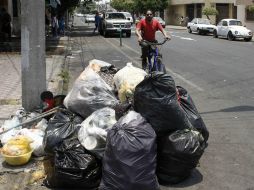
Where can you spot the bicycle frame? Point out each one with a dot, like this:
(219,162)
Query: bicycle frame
(153,52)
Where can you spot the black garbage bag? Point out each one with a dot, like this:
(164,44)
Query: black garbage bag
(155,98)
(129,162)
(178,154)
(75,167)
(191,111)
(61,126)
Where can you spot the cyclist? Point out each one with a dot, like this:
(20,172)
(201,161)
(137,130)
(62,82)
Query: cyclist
(146,30)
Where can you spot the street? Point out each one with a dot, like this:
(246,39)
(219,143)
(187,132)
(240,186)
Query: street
(218,74)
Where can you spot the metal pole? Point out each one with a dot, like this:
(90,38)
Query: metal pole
(120,35)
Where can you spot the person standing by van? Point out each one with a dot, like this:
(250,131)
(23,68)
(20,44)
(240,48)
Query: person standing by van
(97,21)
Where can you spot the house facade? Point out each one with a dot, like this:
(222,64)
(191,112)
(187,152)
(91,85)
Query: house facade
(193,8)
(244,14)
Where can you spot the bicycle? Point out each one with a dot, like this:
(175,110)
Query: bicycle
(154,53)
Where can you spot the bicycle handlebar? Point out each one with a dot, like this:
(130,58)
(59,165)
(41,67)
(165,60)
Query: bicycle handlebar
(156,43)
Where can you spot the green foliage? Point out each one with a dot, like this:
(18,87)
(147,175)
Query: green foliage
(251,8)
(209,11)
(139,5)
(123,5)
(154,5)
(69,5)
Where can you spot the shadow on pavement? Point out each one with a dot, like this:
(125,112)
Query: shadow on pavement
(195,178)
(232,109)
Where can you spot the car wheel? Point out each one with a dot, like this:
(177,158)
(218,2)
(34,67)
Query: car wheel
(128,34)
(199,31)
(230,36)
(101,32)
(247,39)
(189,30)
(105,34)
(215,35)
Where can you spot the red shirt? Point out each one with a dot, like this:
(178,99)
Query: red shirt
(149,29)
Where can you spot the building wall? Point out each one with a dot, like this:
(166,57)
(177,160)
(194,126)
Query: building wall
(241,15)
(177,8)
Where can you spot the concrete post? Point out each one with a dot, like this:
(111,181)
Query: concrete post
(33,65)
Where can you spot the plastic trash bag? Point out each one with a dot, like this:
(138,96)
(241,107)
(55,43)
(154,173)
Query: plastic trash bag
(63,125)
(126,79)
(74,167)
(96,64)
(10,123)
(89,93)
(178,154)
(155,98)
(36,135)
(191,111)
(129,161)
(93,132)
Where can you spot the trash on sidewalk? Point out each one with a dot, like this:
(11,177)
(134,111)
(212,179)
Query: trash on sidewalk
(126,79)
(74,167)
(93,132)
(96,123)
(156,99)
(178,154)
(129,162)
(17,151)
(89,93)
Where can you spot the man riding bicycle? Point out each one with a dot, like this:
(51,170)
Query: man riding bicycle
(146,30)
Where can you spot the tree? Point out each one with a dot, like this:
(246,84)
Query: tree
(251,8)
(154,5)
(69,5)
(123,5)
(209,11)
(139,5)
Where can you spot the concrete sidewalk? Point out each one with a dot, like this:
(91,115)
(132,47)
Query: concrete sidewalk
(10,77)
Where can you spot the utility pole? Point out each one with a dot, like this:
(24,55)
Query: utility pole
(33,64)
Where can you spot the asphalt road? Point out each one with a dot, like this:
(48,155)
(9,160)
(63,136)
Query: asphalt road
(218,74)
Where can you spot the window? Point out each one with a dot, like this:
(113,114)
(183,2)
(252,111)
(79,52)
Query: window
(224,23)
(235,23)
(249,15)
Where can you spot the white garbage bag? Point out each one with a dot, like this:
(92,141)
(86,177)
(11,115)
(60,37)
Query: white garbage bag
(93,132)
(96,64)
(126,79)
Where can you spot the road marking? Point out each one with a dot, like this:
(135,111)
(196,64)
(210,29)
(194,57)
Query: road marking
(183,38)
(138,64)
(118,49)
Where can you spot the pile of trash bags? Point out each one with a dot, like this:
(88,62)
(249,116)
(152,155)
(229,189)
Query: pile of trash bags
(121,129)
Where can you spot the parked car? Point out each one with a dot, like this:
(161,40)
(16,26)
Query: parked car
(90,18)
(161,21)
(111,23)
(201,26)
(138,19)
(232,29)
(128,16)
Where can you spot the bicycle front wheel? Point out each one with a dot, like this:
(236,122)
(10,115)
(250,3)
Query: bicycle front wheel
(160,66)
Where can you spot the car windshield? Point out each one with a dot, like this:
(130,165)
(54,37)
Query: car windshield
(235,23)
(204,21)
(116,16)
(127,14)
